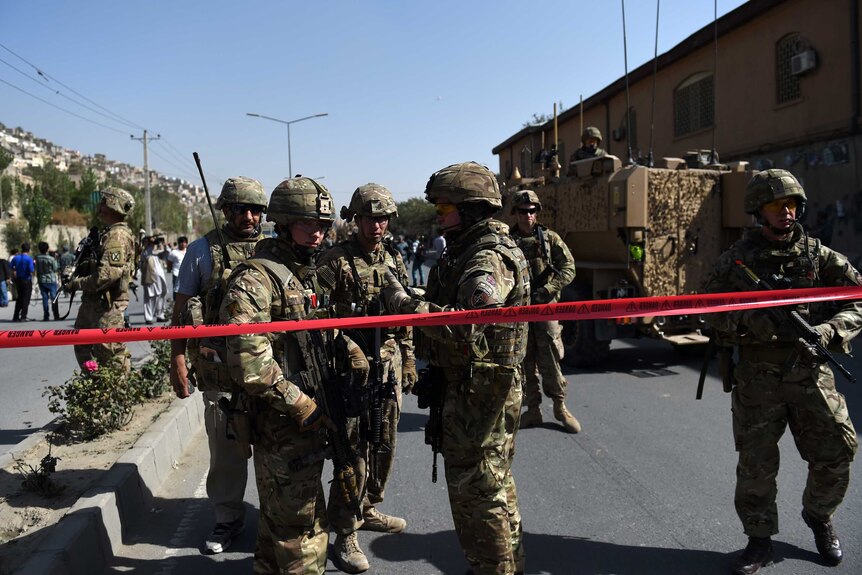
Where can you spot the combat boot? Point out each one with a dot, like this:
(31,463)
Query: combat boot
(531,417)
(758,553)
(347,555)
(570,423)
(825,538)
(382,523)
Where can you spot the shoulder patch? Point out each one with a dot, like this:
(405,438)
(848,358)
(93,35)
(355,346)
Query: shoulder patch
(484,293)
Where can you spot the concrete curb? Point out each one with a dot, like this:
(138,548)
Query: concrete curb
(86,539)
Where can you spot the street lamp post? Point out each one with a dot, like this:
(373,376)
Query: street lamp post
(287,123)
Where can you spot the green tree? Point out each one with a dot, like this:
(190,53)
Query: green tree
(82,197)
(37,211)
(56,187)
(7,193)
(14,234)
(6,158)
(415,217)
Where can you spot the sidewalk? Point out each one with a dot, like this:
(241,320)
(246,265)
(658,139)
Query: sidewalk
(86,538)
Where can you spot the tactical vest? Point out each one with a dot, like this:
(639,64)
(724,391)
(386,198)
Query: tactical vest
(367,284)
(504,343)
(294,296)
(533,252)
(203,309)
(794,266)
(118,291)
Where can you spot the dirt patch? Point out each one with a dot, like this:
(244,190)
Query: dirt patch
(24,515)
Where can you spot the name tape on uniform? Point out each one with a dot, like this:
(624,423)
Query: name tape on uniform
(563,311)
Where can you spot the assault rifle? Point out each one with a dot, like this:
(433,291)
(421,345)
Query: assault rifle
(381,389)
(807,334)
(85,258)
(326,385)
(430,389)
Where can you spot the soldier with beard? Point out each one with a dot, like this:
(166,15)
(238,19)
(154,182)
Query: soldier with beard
(201,286)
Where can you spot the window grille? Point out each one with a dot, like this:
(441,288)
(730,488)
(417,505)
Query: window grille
(694,104)
(786,84)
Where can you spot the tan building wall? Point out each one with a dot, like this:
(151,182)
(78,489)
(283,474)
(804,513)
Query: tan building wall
(816,135)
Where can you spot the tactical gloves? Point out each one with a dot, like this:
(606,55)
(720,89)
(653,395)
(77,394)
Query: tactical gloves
(408,373)
(540,296)
(308,415)
(826,331)
(395,297)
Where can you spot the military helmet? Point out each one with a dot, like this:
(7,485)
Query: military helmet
(300,199)
(370,200)
(241,190)
(523,197)
(591,132)
(770,185)
(462,183)
(118,200)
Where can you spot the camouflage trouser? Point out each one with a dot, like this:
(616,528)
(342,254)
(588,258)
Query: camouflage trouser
(480,419)
(292,533)
(767,398)
(373,468)
(544,352)
(228,470)
(92,314)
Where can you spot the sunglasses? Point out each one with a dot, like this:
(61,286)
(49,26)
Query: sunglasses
(527,210)
(444,209)
(310,226)
(240,209)
(779,205)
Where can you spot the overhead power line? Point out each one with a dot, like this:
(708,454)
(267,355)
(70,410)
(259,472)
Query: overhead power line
(48,77)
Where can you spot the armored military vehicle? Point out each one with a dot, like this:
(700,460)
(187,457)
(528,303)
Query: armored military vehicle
(640,232)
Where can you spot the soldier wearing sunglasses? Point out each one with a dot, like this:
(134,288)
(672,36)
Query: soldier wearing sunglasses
(551,269)
(242,201)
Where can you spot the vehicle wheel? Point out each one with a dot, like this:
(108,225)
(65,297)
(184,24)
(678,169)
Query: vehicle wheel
(582,347)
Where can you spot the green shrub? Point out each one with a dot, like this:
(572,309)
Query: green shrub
(100,398)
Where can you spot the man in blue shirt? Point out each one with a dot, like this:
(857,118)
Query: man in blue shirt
(22,270)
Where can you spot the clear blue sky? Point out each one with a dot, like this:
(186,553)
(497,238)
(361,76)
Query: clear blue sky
(409,86)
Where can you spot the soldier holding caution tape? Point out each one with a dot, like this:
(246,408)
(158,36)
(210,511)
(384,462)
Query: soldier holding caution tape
(475,369)
(782,379)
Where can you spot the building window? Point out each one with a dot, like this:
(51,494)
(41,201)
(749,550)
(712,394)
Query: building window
(786,83)
(693,104)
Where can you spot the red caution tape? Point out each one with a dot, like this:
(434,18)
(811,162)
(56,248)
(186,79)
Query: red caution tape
(565,311)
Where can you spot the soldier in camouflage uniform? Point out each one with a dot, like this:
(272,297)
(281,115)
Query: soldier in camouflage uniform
(591,140)
(480,364)
(354,272)
(201,286)
(551,269)
(279,284)
(105,285)
(780,382)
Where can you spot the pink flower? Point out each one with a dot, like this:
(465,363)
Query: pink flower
(91,366)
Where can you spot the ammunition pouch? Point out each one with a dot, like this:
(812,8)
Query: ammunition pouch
(239,421)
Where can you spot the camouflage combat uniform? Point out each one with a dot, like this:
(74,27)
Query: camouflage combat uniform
(354,279)
(105,294)
(770,393)
(482,366)
(292,530)
(545,345)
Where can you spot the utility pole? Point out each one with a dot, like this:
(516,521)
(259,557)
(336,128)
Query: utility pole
(149,215)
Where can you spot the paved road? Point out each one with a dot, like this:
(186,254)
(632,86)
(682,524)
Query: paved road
(646,488)
(28,371)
